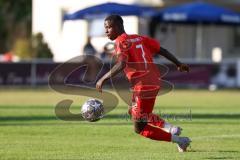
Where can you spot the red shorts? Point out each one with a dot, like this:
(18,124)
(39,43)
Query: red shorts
(144,97)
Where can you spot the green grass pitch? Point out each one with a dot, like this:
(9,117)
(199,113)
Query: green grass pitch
(29,128)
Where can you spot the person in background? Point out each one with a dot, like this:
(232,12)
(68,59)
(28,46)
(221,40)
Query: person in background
(88,49)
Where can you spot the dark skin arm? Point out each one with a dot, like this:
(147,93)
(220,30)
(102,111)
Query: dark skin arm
(117,68)
(180,66)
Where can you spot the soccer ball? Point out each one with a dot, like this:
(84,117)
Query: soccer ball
(92,110)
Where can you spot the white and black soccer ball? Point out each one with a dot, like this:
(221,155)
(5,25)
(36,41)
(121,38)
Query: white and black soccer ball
(92,110)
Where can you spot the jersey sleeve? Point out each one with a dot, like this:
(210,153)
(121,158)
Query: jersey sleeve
(122,51)
(152,44)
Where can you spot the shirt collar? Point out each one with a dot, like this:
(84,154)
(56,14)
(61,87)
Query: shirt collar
(123,35)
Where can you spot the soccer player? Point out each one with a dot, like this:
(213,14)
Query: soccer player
(134,54)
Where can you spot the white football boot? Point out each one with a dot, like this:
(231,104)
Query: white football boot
(183,143)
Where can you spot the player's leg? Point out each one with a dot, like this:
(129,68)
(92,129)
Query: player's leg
(141,115)
(149,131)
(174,130)
(133,105)
(155,120)
(142,126)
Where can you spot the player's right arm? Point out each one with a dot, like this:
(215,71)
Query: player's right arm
(118,67)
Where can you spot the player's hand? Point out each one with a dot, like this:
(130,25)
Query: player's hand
(183,67)
(99,85)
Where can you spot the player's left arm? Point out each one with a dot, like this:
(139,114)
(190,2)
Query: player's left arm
(118,67)
(180,66)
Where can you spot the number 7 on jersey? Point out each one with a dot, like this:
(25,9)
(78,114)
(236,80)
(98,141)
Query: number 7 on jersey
(143,54)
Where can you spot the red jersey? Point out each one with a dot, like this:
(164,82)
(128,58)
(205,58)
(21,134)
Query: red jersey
(138,51)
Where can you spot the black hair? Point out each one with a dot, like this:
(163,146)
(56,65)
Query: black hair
(116,19)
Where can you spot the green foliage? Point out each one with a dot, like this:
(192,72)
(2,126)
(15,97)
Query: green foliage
(15,22)
(40,48)
(22,49)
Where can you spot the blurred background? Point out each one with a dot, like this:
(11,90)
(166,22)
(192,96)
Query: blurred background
(37,35)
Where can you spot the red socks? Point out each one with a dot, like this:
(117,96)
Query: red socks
(155,133)
(156,120)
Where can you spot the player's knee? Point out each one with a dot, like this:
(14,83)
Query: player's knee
(130,110)
(139,126)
